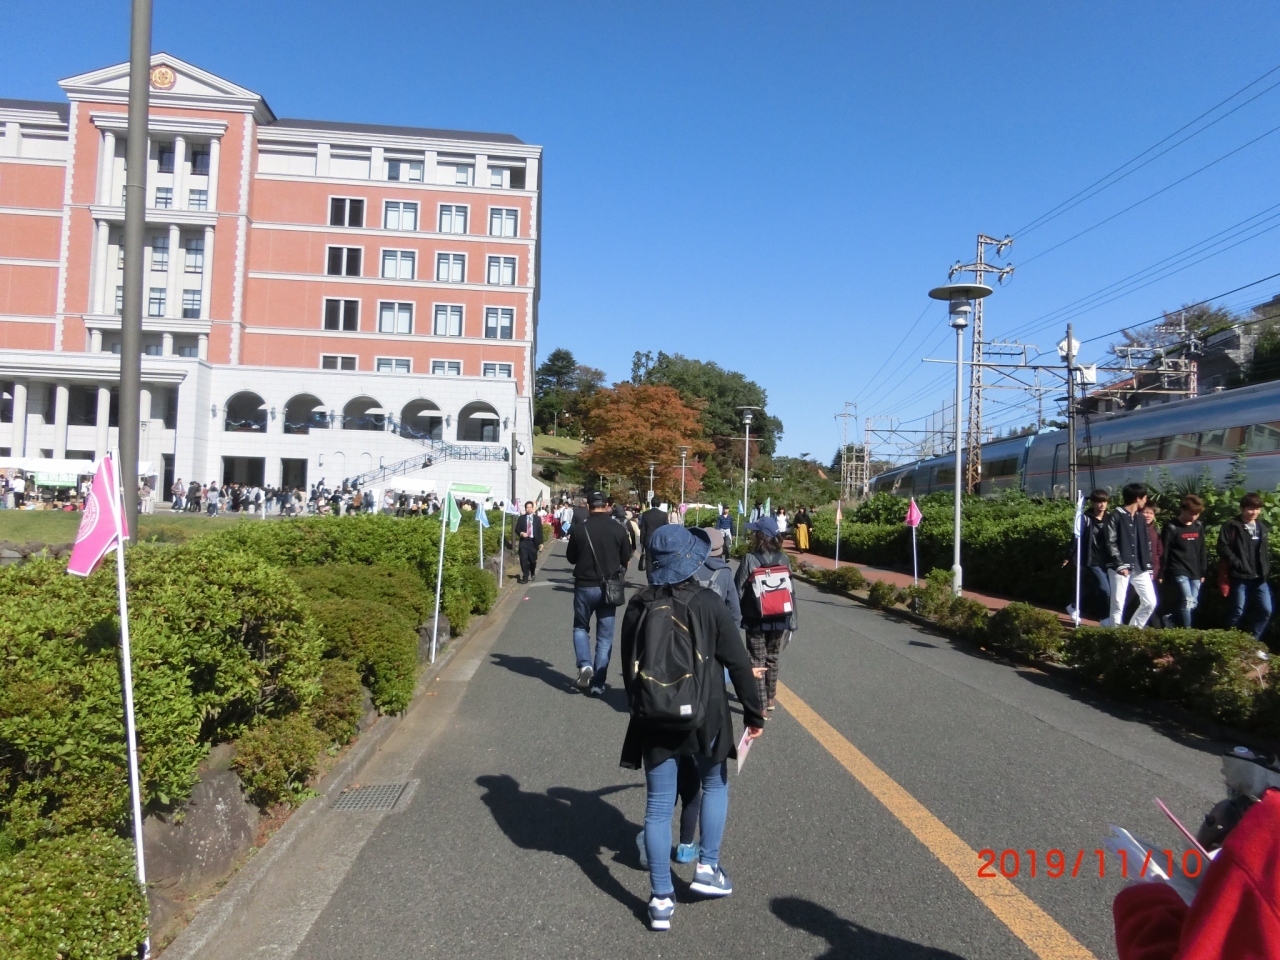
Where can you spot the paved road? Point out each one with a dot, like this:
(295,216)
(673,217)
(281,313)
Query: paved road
(518,841)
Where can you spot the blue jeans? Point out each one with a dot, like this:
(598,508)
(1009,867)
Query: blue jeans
(1241,593)
(660,802)
(1189,587)
(586,601)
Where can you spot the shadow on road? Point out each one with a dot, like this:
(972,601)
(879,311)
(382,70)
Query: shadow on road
(569,823)
(537,668)
(845,938)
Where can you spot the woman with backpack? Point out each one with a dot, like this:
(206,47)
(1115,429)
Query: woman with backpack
(674,634)
(768,605)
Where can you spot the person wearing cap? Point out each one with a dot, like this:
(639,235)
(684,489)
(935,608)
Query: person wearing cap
(599,550)
(765,637)
(675,556)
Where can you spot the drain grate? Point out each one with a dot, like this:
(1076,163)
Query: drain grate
(378,796)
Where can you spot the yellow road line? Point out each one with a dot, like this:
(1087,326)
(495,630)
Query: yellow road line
(1030,924)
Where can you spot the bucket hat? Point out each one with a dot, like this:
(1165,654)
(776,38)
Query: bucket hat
(766,525)
(675,554)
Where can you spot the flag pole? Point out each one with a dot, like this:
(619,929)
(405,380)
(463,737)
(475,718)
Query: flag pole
(1079,544)
(126,656)
(502,550)
(839,517)
(480,527)
(444,519)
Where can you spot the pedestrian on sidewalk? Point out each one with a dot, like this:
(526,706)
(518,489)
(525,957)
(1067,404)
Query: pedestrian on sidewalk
(802,530)
(766,635)
(529,538)
(1243,544)
(676,555)
(1186,557)
(1129,562)
(650,520)
(1095,584)
(724,523)
(599,550)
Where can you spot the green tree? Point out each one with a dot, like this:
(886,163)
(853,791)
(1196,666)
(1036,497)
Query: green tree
(561,389)
(793,482)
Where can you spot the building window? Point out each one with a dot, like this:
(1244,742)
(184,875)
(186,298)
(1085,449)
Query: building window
(119,300)
(344,261)
(195,254)
(502,271)
(200,162)
(515,180)
(160,252)
(341,314)
(156,302)
(496,370)
(446,368)
(391,365)
(164,198)
(407,171)
(503,222)
(497,177)
(462,174)
(190,304)
(198,199)
(152,350)
(451,267)
(120,256)
(448,321)
(499,323)
(346,212)
(400,216)
(453,218)
(337,363)
(395,318)
(188,350)
(164,158)
(398,264)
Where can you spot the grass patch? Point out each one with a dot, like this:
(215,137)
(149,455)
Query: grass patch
(56,526)
(556,446)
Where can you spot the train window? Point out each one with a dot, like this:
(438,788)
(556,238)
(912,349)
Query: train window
(1112,454)
(1223,442)
(1001,468)
(944,475)
(1060,465)
(1145,451)
(1185,446)
(1264,437)
(905,484)
(1085,456)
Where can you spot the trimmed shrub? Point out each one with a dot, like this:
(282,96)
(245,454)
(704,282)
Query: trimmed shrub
(967,617)
(276,758)
(74,896)
(1025,629)
(842,579)
(483,587)
(883,595)
(337,711)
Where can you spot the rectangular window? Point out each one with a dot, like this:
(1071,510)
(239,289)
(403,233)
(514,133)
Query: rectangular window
(448,321)
(451,267)
(344,261)
(503,221)
(407,171)
(164,198)
(120,256)
(1185,446)
(446,368)
(152,349)
(329,362)
(497,370)
(341,314)
(164,158)
(160,252)
(395,318)
(391,365)
(119,300)
(200,162)
(502,271)
(190,304)
(499,323)
(1265,437)
(399,264)
(517,178)
(462,174)
(195,254)
(400,216)
(198,199)
(346,212)
(156,302)
(1146,451)
(1223,442)
(188,350)
(497,177)
(453,218)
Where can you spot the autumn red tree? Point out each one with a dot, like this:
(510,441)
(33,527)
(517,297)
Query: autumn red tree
(630,425)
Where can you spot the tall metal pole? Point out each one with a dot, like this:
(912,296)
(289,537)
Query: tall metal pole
(957,572)
(746,465)
(684,452)
(135,202)
(1072,465)
(651,466)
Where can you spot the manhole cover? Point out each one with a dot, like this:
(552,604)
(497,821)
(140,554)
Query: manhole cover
(378,796)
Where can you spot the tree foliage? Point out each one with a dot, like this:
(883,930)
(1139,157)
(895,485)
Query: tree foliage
(561,389)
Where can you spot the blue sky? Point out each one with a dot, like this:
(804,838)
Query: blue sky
(774,186)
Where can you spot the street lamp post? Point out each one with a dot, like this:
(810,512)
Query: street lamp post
(684,453)
(958,296)
(651,466)
(747,416)
(1067,350)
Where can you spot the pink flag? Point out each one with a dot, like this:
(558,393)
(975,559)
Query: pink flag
(914,516)
(102,523)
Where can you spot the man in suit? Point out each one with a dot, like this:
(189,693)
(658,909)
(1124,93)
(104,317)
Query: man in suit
(529,538)
(651,520)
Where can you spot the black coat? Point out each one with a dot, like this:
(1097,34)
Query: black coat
(1247,559)
(611,543)
(650,521)
(531,522)
(1128,543)
(715,738)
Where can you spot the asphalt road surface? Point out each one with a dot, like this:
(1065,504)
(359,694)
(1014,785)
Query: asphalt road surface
(849,827)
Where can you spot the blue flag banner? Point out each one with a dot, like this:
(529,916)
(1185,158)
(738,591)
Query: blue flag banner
(483,516)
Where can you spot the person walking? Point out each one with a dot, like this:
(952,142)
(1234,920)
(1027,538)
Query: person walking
(1129,561)
(650,520)
(529,538)
(1185,557)
(766,635)
(675,555)
(802,529)
(1243,545)
(599,550)
(724,523)
(1095,585)
(214,499)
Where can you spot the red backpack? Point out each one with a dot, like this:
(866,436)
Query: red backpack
(771,592)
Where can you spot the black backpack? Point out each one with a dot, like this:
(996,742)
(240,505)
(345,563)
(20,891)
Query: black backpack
(671,666)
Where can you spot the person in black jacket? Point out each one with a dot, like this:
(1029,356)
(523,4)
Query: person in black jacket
(1129,562)
(529,538)
(1185,556)
(599,550)
(675,555)
(1095,585)
(650,520)
(1243,544)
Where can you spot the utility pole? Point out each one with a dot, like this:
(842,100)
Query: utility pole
(651,466)
(979,268)
(684,453)
(849,467)
(1068,350)
(748,414)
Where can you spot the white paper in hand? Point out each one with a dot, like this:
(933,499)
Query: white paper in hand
(744,747)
